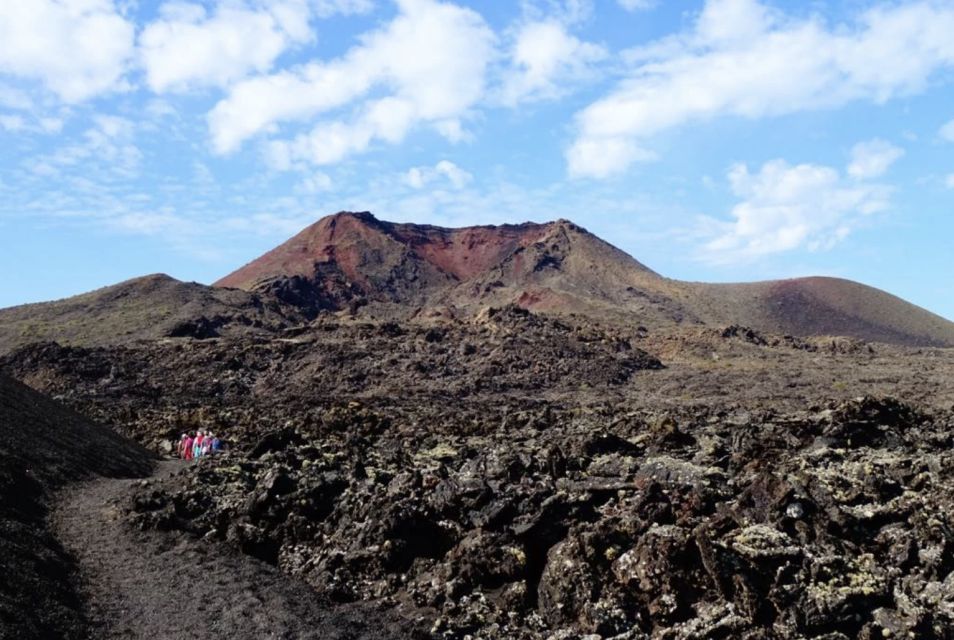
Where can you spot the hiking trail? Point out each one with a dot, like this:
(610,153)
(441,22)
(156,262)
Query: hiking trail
(170,586)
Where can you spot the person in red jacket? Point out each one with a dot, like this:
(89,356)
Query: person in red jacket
(187,448)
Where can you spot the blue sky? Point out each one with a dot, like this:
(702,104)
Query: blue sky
(724,140)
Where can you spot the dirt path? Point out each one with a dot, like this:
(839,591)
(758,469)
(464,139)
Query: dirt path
(165,586)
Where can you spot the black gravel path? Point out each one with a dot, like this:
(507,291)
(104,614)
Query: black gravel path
(166,585)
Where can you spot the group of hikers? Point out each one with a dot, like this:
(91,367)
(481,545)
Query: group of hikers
(201,444)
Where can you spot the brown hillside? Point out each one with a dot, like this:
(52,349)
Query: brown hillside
(149,307)
(826,306)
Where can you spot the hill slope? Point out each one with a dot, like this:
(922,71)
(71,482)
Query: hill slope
(44,446)
(825,306)
(353,260)
(149,307)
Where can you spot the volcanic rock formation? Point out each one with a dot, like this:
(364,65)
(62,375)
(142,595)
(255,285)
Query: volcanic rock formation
(356,259)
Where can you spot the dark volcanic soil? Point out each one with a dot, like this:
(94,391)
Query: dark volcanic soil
(148,585)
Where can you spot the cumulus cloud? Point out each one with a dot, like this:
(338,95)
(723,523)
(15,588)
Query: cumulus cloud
(545,57)
(420,177)
(872,159)
(743,59)
(189,46)
(316,182)
(436,89)
(784,207)
(76,48)
(949,181)
(947,131)
(604,158)
(567,12)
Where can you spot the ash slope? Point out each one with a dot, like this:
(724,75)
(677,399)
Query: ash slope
(43,447)
(355,261)
(146,308)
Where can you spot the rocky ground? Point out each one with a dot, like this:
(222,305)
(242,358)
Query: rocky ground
(520,476)
(830,523)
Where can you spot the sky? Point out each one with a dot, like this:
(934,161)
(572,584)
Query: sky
(724,140)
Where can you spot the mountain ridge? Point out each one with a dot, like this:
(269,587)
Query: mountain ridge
(355,264)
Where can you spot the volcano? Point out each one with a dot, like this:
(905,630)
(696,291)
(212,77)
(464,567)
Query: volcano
(353,261)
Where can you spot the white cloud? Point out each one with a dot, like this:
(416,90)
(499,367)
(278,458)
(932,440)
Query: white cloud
(386,119)
(784,207)
(149,223)
(565,12)
(872,159)
(947,131)
(437,89)
(109,145)
(603,158)
(949,181)
(545,58)
(420,177)
(50,125)
(328,8)
(188,47)
(75,48)
(733,22)
(317,182)
(457,176)
(17,123)
(637,5)
(742,59)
